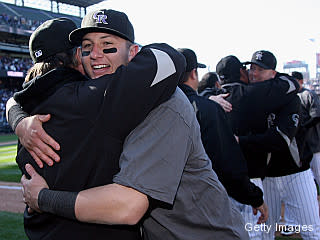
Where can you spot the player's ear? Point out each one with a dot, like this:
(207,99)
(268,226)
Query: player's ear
(133,50)
(194,74)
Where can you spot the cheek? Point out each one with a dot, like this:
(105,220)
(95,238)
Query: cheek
(250,75)
(85,62)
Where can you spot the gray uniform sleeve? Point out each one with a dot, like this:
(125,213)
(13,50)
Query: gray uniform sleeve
(155,154)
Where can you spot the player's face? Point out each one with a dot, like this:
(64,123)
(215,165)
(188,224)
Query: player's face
(103,53)
(259,74)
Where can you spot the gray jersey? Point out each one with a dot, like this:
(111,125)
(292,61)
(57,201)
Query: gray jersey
(164,159)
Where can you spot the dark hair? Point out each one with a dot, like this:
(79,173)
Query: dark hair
(184,77)
(297,75)
(208,81)
(62,59)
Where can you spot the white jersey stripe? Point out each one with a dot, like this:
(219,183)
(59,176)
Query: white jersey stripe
(293,147)
(291,84)
(165,66)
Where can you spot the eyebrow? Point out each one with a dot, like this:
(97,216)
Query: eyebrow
(102,37)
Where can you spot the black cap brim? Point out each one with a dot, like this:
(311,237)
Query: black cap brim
(76,35)
(200,65)
(257,63)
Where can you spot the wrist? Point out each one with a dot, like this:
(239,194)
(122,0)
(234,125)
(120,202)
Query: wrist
(60,203)
(15,116)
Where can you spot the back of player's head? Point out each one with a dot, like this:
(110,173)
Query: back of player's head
(208,81)
(297,75)
(191,59)
(228,69)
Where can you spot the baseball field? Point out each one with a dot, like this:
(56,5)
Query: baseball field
(11,220)
(11,205)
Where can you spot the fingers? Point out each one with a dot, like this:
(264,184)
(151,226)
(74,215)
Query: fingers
(36,159)
(262,219)
(255,211)
(223,103)
(224,95)
(43,118)
(30,210)
(30,170)
(263,209)
(22,180)
(43,135)
(227,107)
(40,156)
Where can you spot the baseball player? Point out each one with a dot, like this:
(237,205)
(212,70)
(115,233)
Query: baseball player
(288,178)
(306,137)
(152,177)
(209,84)
(219,142)
(311,104)
(92,118)
(251,106)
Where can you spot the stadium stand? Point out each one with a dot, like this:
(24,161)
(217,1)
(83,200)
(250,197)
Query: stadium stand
(16,25)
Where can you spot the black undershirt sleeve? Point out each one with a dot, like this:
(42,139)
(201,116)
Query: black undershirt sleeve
(60,203)
(15,115)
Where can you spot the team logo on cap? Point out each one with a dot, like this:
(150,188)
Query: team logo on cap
(38,53)
(259,56)
(100,17)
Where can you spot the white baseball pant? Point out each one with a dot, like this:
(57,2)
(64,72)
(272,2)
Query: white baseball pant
(247,214)
(315,167)
(298,192)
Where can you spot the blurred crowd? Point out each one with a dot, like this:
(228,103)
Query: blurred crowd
(5,94)
(15,64)
(19,22)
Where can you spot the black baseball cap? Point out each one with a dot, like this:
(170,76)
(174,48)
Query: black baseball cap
(264,59)
(104,20)
(228,69)
(191,59)
(51,37)
(297,75)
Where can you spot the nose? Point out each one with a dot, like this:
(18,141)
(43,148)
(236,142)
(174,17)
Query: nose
(96,52)
(251,75)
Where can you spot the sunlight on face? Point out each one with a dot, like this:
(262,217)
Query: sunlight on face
(97,63)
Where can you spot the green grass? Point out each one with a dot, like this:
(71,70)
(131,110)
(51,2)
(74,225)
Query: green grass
(11,226)
(8,138)
(9,170)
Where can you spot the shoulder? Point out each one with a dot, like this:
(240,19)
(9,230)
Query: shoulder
(178,107)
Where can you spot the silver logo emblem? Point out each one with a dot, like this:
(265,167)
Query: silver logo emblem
(259,56)
(100,17)
(38,53)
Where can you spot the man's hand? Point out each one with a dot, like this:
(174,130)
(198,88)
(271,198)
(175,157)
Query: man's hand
(263,209)
(38,143)
(223,103)
(32,187)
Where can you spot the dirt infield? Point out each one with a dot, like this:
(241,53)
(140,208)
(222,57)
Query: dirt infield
(11,197)
(11,200)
